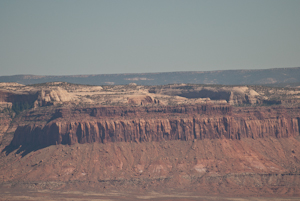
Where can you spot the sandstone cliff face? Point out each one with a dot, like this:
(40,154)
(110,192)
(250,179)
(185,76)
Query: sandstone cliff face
(34,97)
(140,130)
(203,148)
(49,97)
(142,124)
(185,141)
(10,98)
(232,95)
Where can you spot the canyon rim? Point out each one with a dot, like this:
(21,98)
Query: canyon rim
(202,139)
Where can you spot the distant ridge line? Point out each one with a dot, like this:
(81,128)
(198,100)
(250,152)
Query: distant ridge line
(223,77)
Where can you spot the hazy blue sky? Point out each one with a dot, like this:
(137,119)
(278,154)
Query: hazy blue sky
(69,37)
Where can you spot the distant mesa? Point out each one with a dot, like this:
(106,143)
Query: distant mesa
(275,76)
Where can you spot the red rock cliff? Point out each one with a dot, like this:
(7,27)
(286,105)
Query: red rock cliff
(144,124)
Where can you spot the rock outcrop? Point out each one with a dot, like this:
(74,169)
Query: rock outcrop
(238,95)
(8,98)
(210,140)
(49,97)
(146,124)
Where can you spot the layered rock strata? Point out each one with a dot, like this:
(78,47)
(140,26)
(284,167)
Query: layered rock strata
(145,124)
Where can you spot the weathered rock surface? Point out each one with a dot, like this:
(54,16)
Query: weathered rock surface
(127,137)
(257,167)
(146,124)
(58,93)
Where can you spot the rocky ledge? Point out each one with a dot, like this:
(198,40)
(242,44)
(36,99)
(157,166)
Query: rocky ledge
(146,124)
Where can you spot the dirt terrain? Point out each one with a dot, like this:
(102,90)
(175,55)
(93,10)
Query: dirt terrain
(50,195)
(191,141)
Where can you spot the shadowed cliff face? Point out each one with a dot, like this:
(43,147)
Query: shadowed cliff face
(153,141)
(142,124)
(206,149)
(18,98)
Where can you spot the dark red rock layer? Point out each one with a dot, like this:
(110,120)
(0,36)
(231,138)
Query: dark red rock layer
(142,124)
